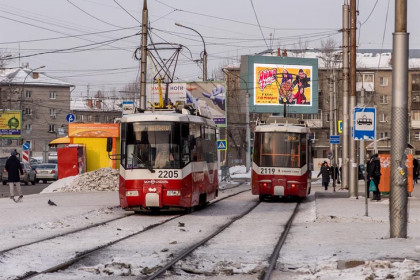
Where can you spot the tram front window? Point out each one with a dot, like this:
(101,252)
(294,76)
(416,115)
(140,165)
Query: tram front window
(278,149)
(152,146)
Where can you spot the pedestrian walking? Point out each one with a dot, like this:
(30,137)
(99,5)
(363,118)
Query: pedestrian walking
(415,170)
(374,174)
(326,172)
(14,170)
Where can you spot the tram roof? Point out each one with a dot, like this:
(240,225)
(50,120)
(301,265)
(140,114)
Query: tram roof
(166,116)
(277,127)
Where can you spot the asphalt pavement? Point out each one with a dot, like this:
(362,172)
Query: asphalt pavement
(26,190)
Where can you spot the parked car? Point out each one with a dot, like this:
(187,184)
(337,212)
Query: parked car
(46,172)
(29,174)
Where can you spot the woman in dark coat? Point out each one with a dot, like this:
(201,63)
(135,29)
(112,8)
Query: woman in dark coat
(325,171)
(13,169)
(374,174)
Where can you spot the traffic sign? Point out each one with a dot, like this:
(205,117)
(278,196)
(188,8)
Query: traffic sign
(334,139)
(70,118)
(222,145)
(364,126)
(127,107)
(26,146)
(340,126)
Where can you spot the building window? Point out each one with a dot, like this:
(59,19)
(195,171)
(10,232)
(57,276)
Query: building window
(383,99)
(51,128)
(415,82)
(96,118)
(79,117)
(415,115)
(416,96)
(89,118)
(28,126)
(28,111)
(383,134)
(383,81)
(28,94)
(53,95)
(417,135)
(382,117)
(365,78)
(52,112)
(328,117)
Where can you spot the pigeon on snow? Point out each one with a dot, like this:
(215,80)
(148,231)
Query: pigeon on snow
(51,203)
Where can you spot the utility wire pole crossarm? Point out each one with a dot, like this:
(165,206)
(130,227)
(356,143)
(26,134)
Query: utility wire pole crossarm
(204,52)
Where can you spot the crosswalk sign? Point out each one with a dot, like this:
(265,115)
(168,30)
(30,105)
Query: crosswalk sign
(222,145)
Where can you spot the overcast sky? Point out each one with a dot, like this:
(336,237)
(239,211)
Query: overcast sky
(230,28)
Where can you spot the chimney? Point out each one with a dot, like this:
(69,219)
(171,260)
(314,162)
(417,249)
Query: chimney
(278,52)
(98,104)
(284,52)
(35,75)
(89,103)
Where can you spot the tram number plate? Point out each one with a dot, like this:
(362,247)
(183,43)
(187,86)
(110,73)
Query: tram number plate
(267,170)
(168,174)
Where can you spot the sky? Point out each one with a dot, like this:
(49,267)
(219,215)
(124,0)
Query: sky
(91,43)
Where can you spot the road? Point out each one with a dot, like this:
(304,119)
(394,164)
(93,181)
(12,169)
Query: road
(29,189)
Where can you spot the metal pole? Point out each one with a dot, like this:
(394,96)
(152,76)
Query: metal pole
(362,143)
(330,82)
(336,161)
(353,148)
(399,127)
(345,153)
(143,56)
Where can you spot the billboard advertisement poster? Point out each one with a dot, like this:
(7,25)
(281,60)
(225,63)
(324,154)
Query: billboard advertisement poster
(94,130)
(277,84)
(10,124)
(210,96)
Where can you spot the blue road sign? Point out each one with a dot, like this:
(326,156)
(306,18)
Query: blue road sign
(334,139)
(127,107)
(222,145)
(364,126)
(26,146)
(70,118)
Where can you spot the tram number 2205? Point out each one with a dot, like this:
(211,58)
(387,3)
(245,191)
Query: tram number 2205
(266,170)
(168,174)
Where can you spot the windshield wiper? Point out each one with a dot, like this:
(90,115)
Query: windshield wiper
(147,164)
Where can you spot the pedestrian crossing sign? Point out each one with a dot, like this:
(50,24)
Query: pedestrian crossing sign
(221,145)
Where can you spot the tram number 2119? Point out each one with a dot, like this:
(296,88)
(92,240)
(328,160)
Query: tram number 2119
(267,170)
(168,174)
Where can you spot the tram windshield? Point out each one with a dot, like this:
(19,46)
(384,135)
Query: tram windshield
(279,149)
(150,145)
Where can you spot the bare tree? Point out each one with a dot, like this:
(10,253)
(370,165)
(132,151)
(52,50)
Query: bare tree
(329,53)
(4,58)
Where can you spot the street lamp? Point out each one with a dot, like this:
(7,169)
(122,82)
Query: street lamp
(23,86)
(204,52)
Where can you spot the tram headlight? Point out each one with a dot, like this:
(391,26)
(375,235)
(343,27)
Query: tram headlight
(173,193)
(132,193)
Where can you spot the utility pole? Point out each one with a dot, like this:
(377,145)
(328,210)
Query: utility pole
(330,83)
(353,187)
(336,161)
(399,127)
(144,24)
(346,130)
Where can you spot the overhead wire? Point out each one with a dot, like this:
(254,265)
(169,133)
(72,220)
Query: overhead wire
(127,12)
(259,25)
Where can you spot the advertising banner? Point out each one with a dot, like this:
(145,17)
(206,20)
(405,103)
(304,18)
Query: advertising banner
(276,84)
(210,96)
(10,124)
(94,130)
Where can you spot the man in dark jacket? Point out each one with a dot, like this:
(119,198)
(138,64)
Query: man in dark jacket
(14,170)
(374,173)
(326,172)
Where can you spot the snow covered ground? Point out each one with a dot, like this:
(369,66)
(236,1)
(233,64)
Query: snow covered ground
(331,237)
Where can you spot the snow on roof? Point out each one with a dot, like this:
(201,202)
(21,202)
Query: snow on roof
(19,76)
(365,59)
(106,104)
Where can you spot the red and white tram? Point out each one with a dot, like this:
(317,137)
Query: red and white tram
(168,159)
(281,161)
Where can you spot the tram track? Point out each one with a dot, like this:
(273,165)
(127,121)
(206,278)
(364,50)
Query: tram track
(81,255)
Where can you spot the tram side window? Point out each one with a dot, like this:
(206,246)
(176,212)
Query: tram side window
(210,145)
(196,143)
(302,150)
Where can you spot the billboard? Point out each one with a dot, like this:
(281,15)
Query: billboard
(276,84)
(207,95)
(10,124)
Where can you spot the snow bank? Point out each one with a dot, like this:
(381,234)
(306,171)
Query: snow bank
(104,179)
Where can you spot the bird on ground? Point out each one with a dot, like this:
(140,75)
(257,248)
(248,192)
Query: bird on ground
(51,203)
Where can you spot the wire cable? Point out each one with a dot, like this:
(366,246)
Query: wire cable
(259,25)
(383,36)
(127,12)
(98,19)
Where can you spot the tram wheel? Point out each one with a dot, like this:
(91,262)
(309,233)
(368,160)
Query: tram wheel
(188,210)
(262,197)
